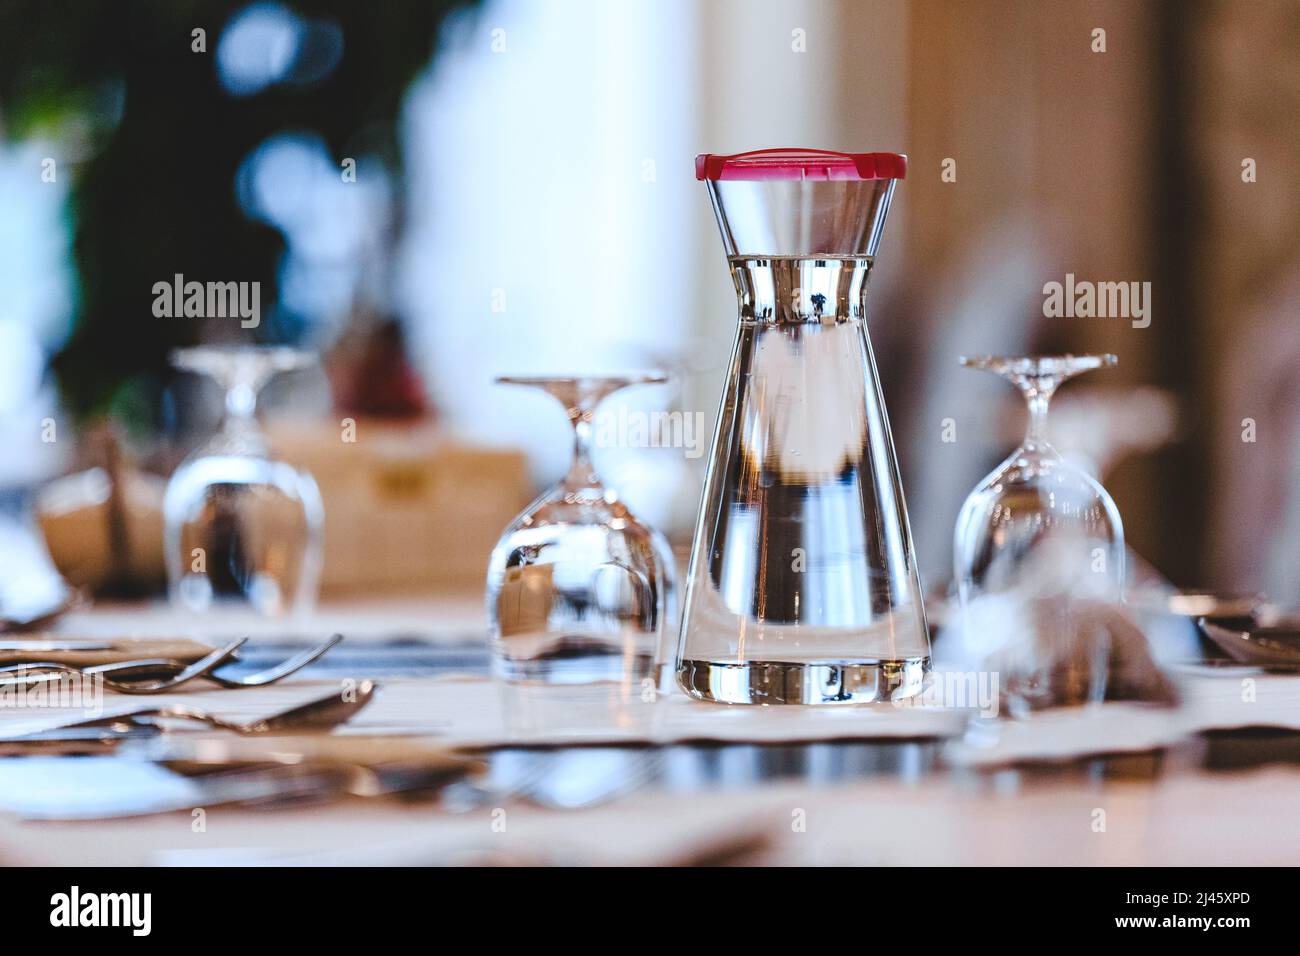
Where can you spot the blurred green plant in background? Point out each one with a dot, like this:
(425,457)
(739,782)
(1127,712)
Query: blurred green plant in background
(153,136)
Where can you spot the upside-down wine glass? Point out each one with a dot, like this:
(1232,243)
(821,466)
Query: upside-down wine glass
(242,528)
(1038,548)
(579,591)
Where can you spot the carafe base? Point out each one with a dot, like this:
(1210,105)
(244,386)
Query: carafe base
(817,682)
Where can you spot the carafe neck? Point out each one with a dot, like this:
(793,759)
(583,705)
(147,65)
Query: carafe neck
(798,290)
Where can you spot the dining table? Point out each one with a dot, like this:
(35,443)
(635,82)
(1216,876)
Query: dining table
(618,776)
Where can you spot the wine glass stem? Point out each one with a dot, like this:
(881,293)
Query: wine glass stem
(241,403)
(1036,433)
(582,474)
(242,381)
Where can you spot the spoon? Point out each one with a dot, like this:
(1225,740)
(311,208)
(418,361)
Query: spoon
(318,715)
(1272,647)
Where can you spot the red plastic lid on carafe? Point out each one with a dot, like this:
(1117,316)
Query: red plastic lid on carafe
(788,163)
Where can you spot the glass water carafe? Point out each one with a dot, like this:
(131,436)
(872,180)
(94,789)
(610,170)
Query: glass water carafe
(802,586)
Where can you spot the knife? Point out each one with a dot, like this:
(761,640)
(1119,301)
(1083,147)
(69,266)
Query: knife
(53,646)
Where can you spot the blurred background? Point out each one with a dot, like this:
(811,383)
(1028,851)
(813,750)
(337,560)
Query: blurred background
(431,194)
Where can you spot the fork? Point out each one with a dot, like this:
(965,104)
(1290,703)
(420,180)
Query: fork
(280,671)
(259,679)
(117,675)
(54,671)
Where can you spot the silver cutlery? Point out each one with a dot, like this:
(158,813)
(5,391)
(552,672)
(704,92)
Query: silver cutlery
(1194,604)
(130,677)
(44,647)
(284,784)
(280,671)
(1275,647)
(77,741)
(319,715)
(137,669)
(50,671)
